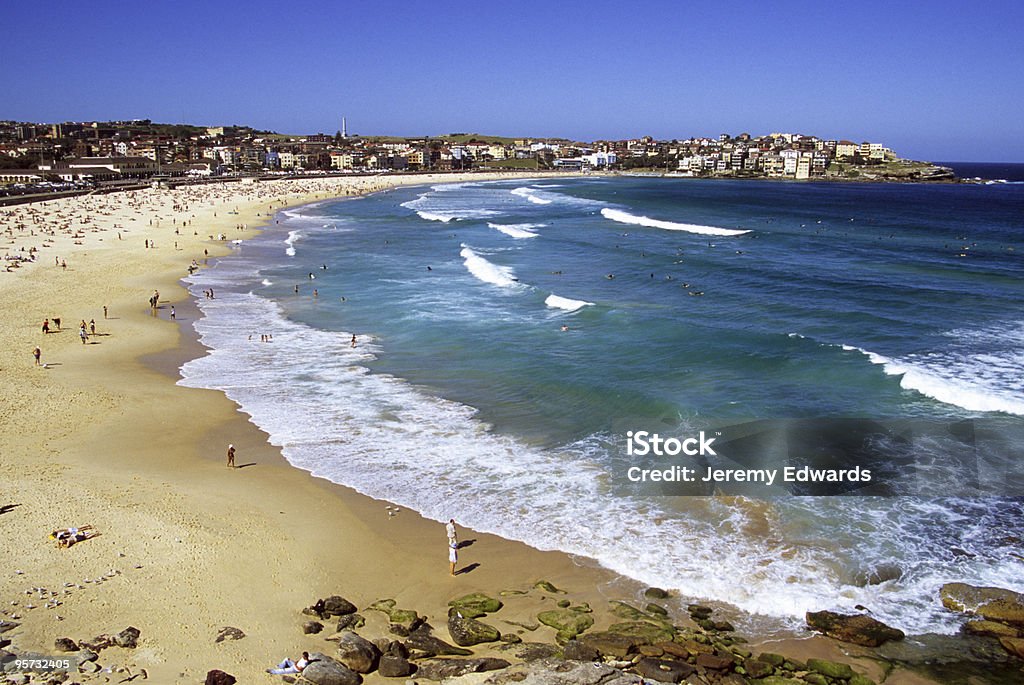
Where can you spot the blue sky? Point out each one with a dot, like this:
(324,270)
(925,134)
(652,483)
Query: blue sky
(933,80)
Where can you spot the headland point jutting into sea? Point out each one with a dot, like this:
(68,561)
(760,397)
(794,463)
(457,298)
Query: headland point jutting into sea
(490,378)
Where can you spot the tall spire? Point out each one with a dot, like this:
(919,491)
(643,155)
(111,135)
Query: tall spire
(344,128)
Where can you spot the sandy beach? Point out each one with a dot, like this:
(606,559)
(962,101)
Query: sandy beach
(99,434)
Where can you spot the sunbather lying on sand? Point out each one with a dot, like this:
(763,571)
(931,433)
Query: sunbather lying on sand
(66,537)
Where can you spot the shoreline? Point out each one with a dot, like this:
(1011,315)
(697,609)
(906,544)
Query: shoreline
(138,458)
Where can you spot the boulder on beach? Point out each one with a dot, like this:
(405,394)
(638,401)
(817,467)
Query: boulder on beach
(425,644)
(65,644)
(558,672)
(475,605)
(127,638)
(357,652)
(567,622)
(854,628)
(663,670)
(229,633)
(439,669)
(219,677)
(611,644)
(469,631)
(323,670)
(395,615)
(395,667)
(990,629)
(830,669)
(334,605)
(992,603)
(1013,645)
(646,633)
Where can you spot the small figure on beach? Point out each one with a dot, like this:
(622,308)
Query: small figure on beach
(82,334)
(92,326)
(231,456)
(37,353)
(66,537)
(453,538)
(172,312)
(288,666)
(56,321)
(453,556)
(46,325)
(104,311)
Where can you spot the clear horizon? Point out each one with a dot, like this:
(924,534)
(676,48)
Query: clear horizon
(932,83)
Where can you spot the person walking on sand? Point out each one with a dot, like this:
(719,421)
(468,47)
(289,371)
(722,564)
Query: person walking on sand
(453,557)
(453,538)
(46,325)
(231,456)
(37,353)
(172,311)
(82,334)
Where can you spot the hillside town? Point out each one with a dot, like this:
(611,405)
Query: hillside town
(79,153)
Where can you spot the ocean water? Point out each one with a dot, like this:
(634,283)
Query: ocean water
(821,325)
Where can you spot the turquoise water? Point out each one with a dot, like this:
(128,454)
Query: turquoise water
(806,324)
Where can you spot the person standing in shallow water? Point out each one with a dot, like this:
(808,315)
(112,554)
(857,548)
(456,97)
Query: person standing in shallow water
(231,456)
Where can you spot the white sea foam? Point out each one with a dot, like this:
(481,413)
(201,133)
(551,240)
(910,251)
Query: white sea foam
(627,218)
(531,195)
(433,216)
(331,416)
(517,230)
(487,272)
(557,302)
(267,282)
(437,206)
(290,242)
(960,376)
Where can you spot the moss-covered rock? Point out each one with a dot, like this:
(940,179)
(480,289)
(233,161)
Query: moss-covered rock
(400,616)
(547,587)
(656,609)
(855,628)
(993,603)
(567,622)
(466,632)
(475,604)
(831,669)
(645,632)
(859,679)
